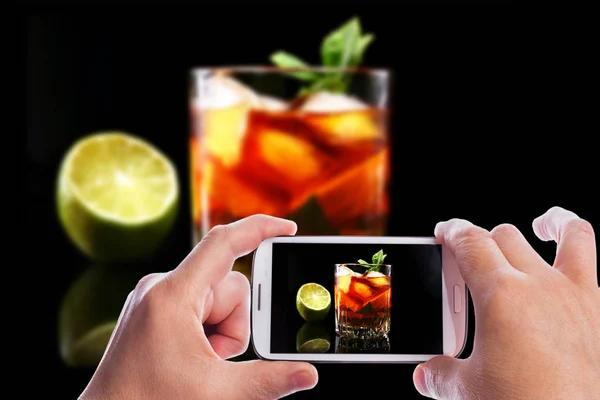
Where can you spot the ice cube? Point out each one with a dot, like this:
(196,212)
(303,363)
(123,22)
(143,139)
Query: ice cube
(374,274)
(361,289)
(223,92)
(344,271)
(381,282)
(352,303)
(331,102)
(342,282)
(230,195)
(356,192)
(381,301)
(357,274)
(221,117)
(296,159)
(272,103)
(339,119)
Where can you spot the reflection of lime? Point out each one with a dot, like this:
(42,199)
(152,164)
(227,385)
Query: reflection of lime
(312,338)
(90,311)
(117,196)
(313,302)
(88,351)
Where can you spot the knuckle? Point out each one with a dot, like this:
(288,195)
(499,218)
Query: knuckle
(436,381)
(580,226)
(145,281)
(217,231)
(263,388)
(154,296)
(240,281)
(505,231)
(554,209)
(503,291)
(260,217)
(471,236)
(215,235)
(151,294)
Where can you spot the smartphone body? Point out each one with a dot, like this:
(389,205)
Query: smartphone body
(417,311)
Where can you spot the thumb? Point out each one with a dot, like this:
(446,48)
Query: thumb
(438,378)
(265,380)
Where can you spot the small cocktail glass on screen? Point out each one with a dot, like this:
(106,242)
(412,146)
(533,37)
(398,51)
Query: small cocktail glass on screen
(363,298)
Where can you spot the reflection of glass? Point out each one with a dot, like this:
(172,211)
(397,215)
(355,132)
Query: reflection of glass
(89,313)
(258,147)
(363,300)
(313,338)
(373,346)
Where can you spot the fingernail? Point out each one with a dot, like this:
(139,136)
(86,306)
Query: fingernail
(419,379)
(303,380)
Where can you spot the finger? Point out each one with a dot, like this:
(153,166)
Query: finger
(477,255)
(266,380)
(517,249)
(210,261)
(228,320)
(576,244)
(439,378)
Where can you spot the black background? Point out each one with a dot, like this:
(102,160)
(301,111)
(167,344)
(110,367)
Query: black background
(489,125)
(416,316)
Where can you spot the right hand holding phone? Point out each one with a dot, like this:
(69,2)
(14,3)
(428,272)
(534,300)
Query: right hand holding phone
(538,326)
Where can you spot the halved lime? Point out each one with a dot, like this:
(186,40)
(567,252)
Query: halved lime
(117,196)
(312,338)
(313,302)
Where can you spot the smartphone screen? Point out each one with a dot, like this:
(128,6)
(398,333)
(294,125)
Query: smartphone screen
(401,299)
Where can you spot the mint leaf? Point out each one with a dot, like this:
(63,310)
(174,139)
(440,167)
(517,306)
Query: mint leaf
(374,268)
(363,262)
(287,60)
(331,82)
(361,48)
(378,257)
(338,48)
(344,47)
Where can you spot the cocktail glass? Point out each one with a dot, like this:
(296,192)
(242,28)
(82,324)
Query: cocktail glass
(363,300)
(260,144)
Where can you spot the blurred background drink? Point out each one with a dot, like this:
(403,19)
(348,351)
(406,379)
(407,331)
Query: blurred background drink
(262,142)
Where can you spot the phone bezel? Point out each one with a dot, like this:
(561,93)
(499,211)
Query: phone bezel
(454,323)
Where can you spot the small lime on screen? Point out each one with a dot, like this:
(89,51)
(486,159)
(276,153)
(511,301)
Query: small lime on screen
(313,302)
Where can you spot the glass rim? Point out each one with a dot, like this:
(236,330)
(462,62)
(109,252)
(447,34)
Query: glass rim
(261,69)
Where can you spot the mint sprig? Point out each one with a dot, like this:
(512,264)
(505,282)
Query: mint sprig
(341,48)
(377,260)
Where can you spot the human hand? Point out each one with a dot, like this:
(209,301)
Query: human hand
(177,328)
(537,333)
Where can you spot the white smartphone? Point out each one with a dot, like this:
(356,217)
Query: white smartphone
(313,300)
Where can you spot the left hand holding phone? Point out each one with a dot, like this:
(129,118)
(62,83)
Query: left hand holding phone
(177,329)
